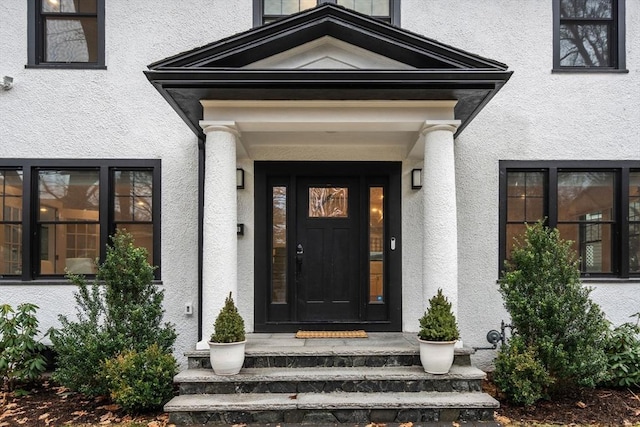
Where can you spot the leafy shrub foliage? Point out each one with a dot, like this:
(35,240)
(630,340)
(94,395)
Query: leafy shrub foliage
(21,356)
(438,323)
(141,381)
(623,355)
(519,374)
(229,325)
(551,311)
(121,310)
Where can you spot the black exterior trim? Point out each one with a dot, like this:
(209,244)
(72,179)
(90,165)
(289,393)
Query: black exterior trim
(621,168)
(35,41)
(105,166)
(285,173)
(215,71)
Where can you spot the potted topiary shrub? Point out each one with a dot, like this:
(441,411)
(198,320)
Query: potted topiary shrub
(226,348)
(438,335)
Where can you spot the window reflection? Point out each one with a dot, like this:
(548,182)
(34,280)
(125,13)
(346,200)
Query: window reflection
(10,222)
(376,244)
(586,29)
(634,222)
(328,202)
(279,245)
(525,203)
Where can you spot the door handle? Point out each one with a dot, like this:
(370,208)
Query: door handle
(299,253)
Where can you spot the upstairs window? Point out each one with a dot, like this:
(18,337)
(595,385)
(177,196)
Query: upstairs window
(589,35)
(266,11)
(66,33)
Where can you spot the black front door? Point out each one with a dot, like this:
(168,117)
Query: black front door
(327,246)
(327,249)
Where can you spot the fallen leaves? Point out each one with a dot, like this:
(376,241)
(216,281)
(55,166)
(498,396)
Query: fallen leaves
(581,405)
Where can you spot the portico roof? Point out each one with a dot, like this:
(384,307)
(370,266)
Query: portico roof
(287,60)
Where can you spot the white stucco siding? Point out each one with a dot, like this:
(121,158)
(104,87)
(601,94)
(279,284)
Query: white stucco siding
(116,113)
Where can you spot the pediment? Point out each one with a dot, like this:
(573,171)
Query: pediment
(327,53)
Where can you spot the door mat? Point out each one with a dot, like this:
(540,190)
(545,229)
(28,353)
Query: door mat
(331,334)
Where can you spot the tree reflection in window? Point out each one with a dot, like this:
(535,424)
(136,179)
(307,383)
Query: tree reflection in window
(586,32)
(328,202)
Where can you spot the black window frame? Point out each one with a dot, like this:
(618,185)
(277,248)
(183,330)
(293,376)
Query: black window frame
(37,45)
(107,221)
(621,170)
(258,11)
(617,54)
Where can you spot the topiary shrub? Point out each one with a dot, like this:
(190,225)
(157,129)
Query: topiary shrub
(551,311)
(622,347)
(21,358)
(229,325)
(121,310)
(438,323)
(141,381)
(519,374)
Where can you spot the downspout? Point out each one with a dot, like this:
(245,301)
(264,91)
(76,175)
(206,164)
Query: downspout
(201,158)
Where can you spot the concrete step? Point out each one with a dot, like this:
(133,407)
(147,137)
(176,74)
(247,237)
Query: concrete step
(334,407)
(321,379)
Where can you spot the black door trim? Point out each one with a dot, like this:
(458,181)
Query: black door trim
(267,173)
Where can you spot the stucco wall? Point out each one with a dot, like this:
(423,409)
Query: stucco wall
(116,113)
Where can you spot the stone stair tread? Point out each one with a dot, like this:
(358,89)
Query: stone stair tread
(329,401)
(401,373)
(292,351)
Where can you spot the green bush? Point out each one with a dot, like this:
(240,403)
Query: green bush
(438,323)
(21,358)
(121,310)
(623,355)
(519,374)
(141,381)
(551,311)
(229,325)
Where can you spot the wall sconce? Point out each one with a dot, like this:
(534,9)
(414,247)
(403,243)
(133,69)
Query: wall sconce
(416,179)
(239,178)
(240,229)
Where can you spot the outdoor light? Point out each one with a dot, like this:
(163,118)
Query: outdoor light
(240,229)
(240,178)
(416,179)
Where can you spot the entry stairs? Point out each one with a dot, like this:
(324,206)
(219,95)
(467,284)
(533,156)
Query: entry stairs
(378,379)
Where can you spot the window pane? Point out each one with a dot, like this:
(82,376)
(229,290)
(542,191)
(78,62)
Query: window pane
(584,45)
(142,237)
(586,8)
(593,244)
(329,202)
(71,40)
(583,193)
(369,7)
(634,222)
(290,6)
(72,247)
(279,246)
(514,231)
(133,195)
(525,202)
(376,244)
(10,195)
(66,195)
(10,249)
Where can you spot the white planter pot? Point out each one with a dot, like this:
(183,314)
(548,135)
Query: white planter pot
(226,358)
(436,356)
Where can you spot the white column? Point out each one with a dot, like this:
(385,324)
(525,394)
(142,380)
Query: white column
(220,218)
(440,247)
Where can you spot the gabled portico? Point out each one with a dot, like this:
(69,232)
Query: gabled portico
(328,85)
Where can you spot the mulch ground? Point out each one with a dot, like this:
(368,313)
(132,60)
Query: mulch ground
(49,405)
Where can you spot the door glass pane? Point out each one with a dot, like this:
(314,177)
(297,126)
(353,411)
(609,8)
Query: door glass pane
(328,202)
(376,244)
(634,222)
(279,246)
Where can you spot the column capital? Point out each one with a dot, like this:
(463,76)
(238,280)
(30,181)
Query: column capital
(434,125)
(213,126)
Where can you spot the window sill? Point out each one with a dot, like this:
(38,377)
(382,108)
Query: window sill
(66,66)
(620,280)
(585,70)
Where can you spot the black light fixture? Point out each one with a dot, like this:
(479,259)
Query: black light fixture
(240,229)
(416,179)
(239,178)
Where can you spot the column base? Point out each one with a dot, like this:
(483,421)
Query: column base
(202,345)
